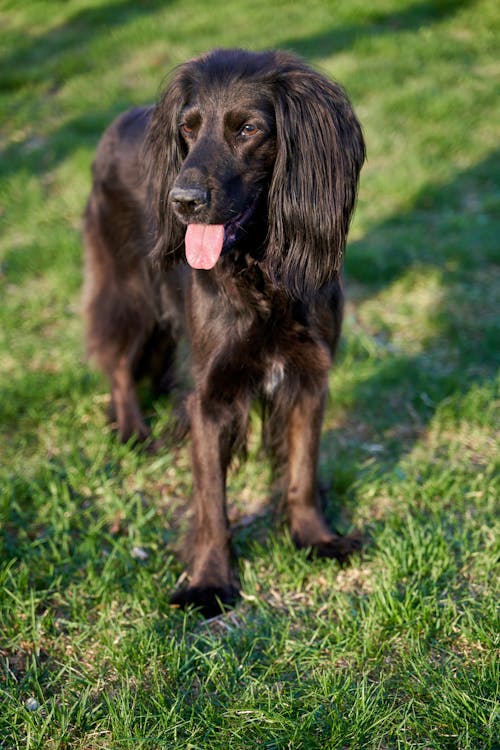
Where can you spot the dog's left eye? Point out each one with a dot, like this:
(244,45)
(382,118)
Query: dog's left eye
(249,130)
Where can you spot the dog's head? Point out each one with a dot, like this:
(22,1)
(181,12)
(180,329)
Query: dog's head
(255,151)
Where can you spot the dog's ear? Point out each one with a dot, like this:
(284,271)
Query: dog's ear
(163,154)
(320,151)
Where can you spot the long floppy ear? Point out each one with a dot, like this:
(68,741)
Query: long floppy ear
(163,154)
(320,151)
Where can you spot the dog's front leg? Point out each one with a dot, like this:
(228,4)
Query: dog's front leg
(211,584)
(307,524)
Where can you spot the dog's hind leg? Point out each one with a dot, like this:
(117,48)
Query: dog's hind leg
(116,350)
(126,413)
(119,320)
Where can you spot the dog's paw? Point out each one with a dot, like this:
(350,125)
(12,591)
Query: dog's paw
(133,435)
(339,547)
(210,600)
(336,547)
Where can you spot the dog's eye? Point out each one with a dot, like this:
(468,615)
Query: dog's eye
(249,130)
(186,129)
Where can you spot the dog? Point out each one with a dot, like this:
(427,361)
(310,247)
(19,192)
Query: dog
(220,216)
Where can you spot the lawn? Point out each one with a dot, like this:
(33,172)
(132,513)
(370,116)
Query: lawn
(397,650)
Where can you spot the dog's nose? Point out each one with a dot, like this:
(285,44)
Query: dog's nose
(190,199)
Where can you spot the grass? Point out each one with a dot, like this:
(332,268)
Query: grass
(399,650)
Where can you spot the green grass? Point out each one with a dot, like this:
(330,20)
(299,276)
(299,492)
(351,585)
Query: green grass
(399,650)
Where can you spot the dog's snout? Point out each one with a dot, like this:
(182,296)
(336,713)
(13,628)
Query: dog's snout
(189,199)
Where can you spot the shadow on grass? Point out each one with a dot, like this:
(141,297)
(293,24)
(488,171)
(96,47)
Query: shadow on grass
(52,59)
(376,24)
(450,233)
(451,226)
(62,50)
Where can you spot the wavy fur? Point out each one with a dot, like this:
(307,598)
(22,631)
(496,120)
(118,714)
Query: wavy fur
(269,149)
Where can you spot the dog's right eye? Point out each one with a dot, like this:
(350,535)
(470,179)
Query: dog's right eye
(186,129)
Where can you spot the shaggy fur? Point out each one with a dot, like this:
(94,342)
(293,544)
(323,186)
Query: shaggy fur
(262,154)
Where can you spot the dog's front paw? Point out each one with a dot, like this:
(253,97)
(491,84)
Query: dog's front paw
(210,600)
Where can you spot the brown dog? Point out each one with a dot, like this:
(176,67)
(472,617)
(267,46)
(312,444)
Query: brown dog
(247,169)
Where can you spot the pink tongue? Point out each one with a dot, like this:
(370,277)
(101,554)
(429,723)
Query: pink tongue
(204,244)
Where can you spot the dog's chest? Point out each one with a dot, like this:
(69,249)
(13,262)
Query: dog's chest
(274,375)
(281,351)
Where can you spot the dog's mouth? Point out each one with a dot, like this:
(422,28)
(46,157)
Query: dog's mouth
(205,243)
